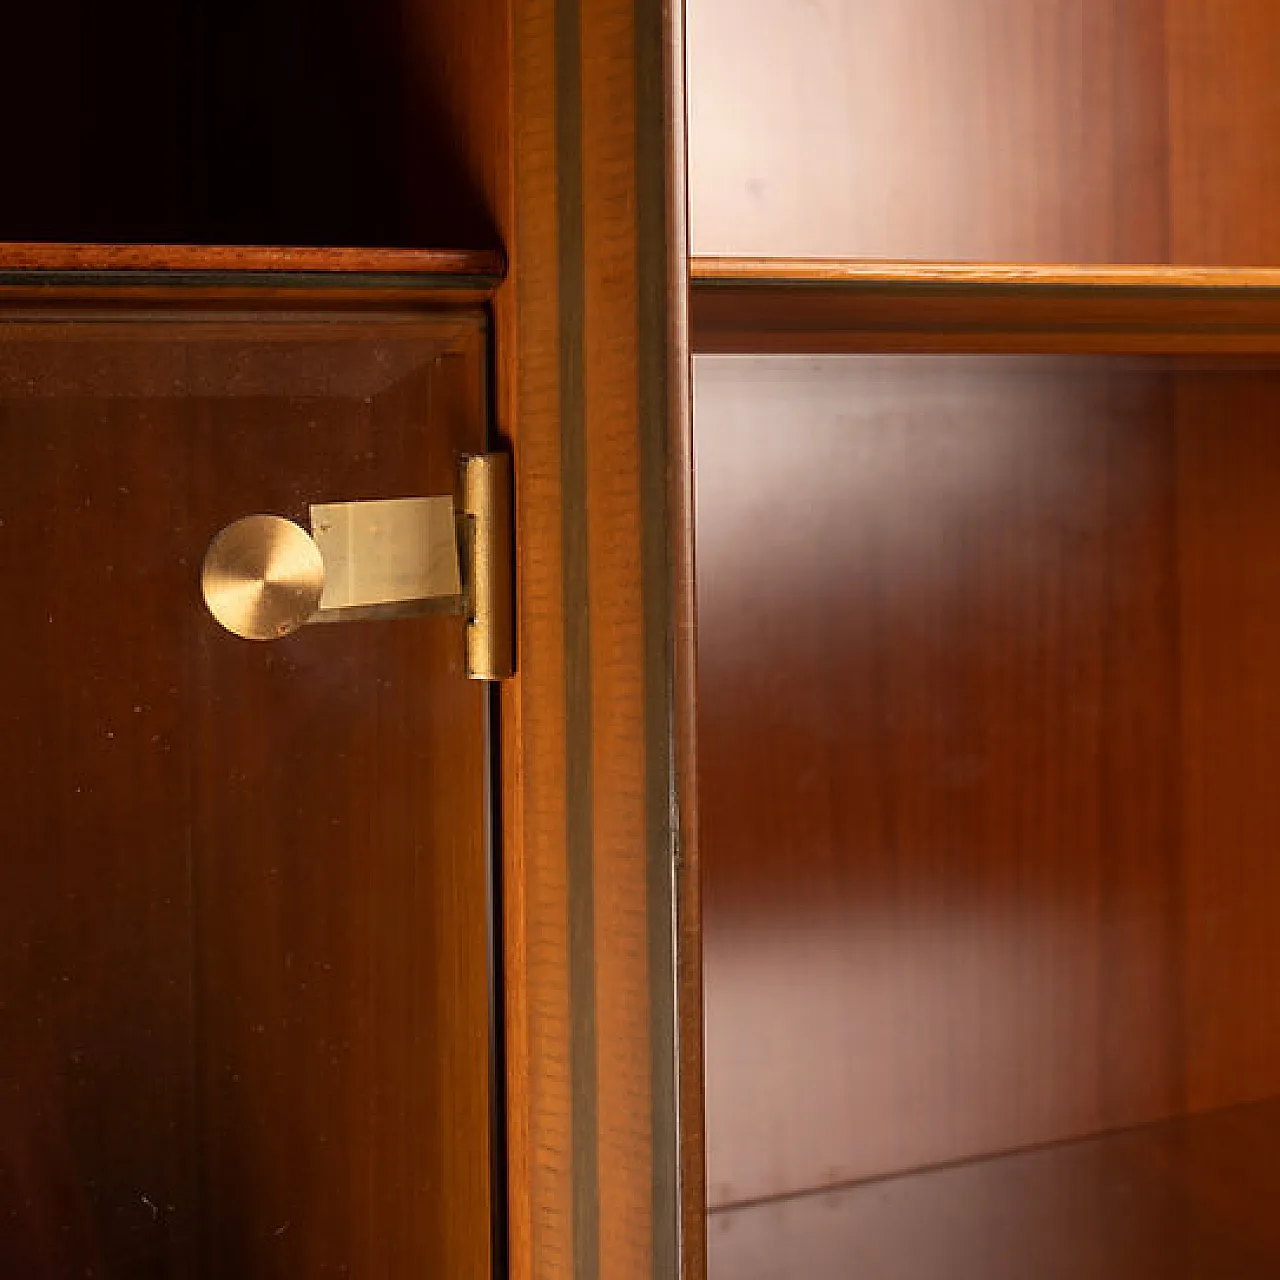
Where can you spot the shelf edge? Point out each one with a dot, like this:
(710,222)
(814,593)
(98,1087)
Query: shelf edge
(481,268)
(706,271)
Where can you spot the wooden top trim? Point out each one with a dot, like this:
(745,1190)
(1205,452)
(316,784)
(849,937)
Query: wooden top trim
(451,265)
(785,272)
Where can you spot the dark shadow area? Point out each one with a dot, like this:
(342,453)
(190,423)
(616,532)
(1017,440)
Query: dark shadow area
(228,122)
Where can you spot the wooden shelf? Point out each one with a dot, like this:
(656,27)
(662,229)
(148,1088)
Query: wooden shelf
(1192,1198)
(453,276)
(746,305)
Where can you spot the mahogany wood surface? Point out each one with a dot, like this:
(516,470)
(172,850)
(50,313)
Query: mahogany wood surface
(1221,109)
(986,719)
(589,329)
(535,753)
(812,306)
(684,696)
(612,638)
(404,124)
(1229,624)
(994,130)
(480,266)
(1190,1199)
(876,272)
(244,921)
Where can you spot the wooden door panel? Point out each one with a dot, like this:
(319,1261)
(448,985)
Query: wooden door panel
(245,981)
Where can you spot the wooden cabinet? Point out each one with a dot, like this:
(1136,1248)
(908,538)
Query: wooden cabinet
(928,932)
(320,959)
(986,410)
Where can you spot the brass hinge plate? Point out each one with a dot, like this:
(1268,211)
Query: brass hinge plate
(386,554)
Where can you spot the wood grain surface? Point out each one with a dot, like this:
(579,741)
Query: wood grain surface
(407,125)
(1229,606)
(613,481)
(985,724)
(246,999)
(1192,1199)
(691,1089)
(750,271)
(588,347)
(1061,131)
(792,306)
(985,712)
(480,266)
(1222,109)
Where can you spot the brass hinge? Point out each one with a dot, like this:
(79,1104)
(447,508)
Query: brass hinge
(265,576)
(489,581)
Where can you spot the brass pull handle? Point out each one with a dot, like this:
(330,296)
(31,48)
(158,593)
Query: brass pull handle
(263,577)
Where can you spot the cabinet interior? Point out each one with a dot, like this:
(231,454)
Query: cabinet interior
(986,424)
(339,123)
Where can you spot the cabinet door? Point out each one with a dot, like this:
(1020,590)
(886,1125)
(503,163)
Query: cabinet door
(244,928)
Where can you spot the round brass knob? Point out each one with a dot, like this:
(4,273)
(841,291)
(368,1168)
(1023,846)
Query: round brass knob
(262,577)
